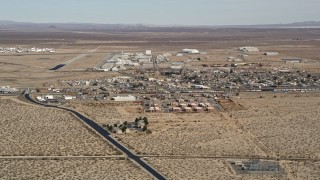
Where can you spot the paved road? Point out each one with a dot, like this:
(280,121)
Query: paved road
(107,136)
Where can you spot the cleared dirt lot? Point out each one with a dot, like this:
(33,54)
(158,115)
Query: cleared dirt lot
(32,130)
(71,169)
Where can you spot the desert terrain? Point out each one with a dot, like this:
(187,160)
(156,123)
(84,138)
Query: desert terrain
(54,134)
(279,126)
(194,168)
(71,169)
(285,123)
(46,132)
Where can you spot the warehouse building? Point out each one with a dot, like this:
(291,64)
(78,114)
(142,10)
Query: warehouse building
(191,51)
(271,53)
(124,98)
(292,60)
(249,49)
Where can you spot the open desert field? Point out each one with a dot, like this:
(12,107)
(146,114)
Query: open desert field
(71,169)
(103,113)
(207,134)
(191,134)
(286,124)
(28,130)
(175,168)
(302,169)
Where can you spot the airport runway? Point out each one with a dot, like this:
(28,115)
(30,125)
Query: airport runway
(107,136)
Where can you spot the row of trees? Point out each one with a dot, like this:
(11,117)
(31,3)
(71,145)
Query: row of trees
(145,120)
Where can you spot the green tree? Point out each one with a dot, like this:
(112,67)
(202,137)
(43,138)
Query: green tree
(124,128)
(145,120)
(144,129)
(110,128)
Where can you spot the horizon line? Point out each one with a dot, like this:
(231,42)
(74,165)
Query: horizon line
(172,25)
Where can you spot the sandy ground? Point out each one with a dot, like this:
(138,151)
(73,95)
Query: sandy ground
(106,112)
(71,169)
(303,170)
(32,130)
(208,134)
(191,134)
(287,125)
(100,112)
(200,169)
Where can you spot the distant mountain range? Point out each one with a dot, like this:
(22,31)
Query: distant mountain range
(6,24)
(305,24)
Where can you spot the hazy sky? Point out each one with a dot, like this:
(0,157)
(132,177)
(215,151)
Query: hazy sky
(166,12)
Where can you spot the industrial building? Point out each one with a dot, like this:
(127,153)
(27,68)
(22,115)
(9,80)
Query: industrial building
(190,51)
(292,60)
(8,89)
(271,53)
(124,98)
(248,49)
(148,52)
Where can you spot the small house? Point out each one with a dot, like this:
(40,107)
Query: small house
(192,105)
(198,109)
(209,108)
(49,97)
(151,109)
(117,130)
(176,109)
(188,109)
(157,109)
(183,105)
